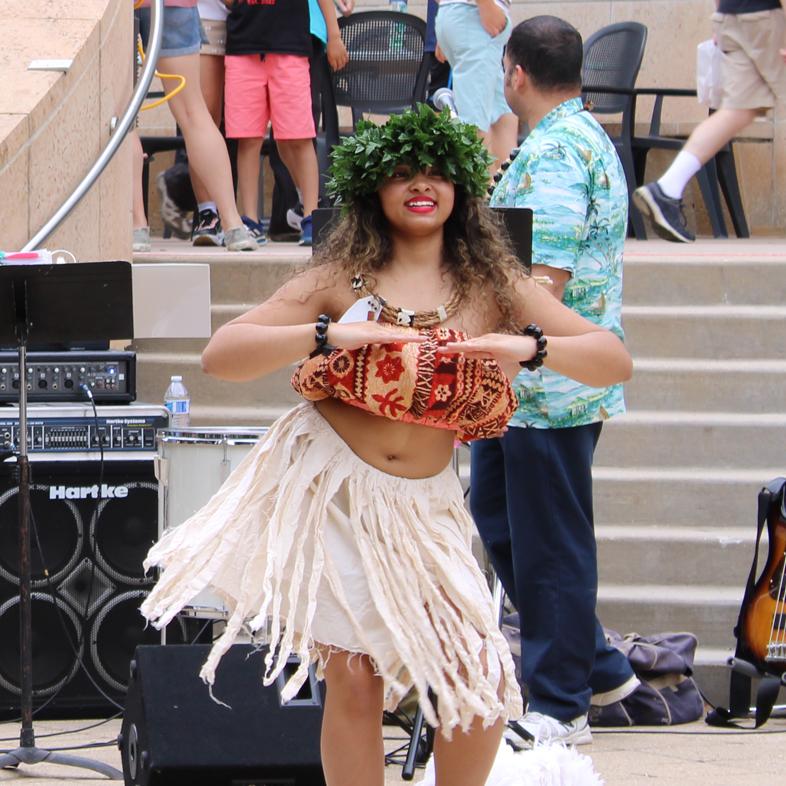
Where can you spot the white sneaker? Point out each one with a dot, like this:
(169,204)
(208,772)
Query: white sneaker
(535,727)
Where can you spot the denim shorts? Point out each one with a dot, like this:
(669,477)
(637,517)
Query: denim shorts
(476,60)
(182,33)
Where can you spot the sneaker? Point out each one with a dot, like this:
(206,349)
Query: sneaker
(295,216)
(207,229)
(239,239)
(179,221)
(535,727)
(667,214)
(141,240)
(255,229)
(305,231)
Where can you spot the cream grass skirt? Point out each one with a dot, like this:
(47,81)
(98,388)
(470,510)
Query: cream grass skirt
(307,544)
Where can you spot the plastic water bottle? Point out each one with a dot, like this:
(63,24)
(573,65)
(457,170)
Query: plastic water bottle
(178,402)
(397,37)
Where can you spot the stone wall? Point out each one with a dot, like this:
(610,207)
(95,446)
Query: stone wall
(53,125)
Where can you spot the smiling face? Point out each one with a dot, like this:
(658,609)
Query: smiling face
(417,203)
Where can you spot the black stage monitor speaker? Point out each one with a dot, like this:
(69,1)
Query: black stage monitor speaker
(87,583)
(175,734)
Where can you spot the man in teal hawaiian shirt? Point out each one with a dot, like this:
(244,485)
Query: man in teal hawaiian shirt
(531,490)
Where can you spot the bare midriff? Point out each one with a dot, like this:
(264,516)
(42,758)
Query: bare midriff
(408,450)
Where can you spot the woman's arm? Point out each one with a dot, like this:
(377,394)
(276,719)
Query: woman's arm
(282,330)
(271,335)
(576,347)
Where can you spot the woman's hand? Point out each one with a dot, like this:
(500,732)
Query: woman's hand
(507,350)
(337,54)
(353,335)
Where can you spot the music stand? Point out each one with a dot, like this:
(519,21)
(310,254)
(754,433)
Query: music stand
(45,304)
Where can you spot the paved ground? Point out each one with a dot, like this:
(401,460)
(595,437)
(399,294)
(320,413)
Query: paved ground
(691,755)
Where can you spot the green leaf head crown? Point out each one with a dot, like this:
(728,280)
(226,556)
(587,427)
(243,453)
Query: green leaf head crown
(420,138)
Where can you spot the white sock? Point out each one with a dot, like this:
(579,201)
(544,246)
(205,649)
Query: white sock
(207,206)
(676,177)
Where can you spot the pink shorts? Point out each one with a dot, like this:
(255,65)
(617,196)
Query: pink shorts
(275,88)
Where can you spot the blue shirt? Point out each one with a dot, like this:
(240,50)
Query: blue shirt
(317,21)
(569,173)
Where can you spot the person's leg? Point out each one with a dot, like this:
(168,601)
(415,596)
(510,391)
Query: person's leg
(549,491)
(138,201)
(478,79)
(141,231)
(248,164)
(300,159)
(207,152)
(293,125)
(488,503)
(211,78)
(352,747)
(466,759)
(702,145)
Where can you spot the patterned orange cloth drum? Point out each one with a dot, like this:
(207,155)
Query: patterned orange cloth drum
(415,384)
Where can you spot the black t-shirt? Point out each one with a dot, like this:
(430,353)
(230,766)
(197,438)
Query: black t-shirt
(269,26)
(747,6)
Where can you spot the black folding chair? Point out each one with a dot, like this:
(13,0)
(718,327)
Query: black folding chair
(612,58)
(387,71)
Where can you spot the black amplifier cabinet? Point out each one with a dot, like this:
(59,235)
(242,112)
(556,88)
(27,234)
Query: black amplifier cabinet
(92,527)
(58,376)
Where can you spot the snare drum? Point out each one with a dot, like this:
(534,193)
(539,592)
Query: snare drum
(191,466)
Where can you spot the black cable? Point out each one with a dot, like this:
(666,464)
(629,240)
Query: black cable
(668,730)
(78,730)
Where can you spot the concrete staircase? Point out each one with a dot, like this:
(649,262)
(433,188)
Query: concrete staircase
(676,478)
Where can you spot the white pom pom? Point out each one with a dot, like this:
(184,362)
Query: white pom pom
(551,764)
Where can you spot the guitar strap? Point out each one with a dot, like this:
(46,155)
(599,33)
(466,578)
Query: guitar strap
(771,501)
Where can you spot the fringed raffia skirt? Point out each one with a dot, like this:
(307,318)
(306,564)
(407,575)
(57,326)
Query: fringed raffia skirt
(312,545)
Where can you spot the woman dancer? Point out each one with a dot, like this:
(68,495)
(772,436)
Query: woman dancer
(343,535)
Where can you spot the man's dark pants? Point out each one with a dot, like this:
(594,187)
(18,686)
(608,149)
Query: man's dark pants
(540,480)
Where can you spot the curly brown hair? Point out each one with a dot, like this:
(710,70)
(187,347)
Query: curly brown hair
(476,248)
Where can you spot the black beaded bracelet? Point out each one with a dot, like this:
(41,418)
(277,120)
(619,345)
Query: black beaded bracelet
(320,337)
(540,350)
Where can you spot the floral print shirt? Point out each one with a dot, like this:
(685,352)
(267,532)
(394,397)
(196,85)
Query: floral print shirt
(569,173)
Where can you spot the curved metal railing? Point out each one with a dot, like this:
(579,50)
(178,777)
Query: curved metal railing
(119,133)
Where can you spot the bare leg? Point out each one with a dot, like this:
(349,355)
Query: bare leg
(300,159)
(714,132)
(501,138)
(207,153)
(138,204)
(211,78)
(352,750)
(248,151)
(467,759)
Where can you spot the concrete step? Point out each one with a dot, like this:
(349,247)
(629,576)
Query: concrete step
(706,331)
(711,439)
(651,554)
(679,280)
(708,611)
(272,392)
(679,496)
(697,384)
(240,278)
